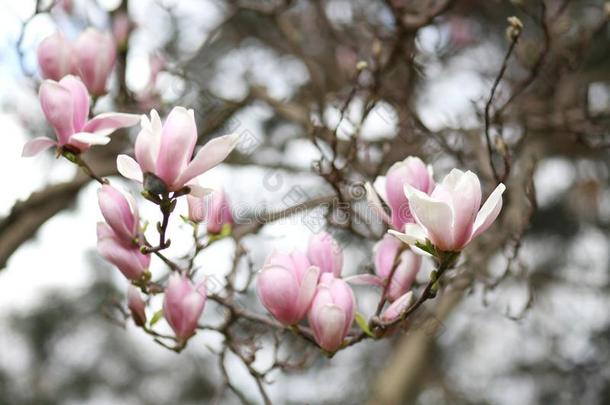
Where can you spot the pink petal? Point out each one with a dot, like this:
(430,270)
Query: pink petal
(129,168)
(58,107)
(466,198)
(307,290)
(365,279)
(148,142)
(210,155)
(80,98)
(397,307)
(35,146)
(178,140)
(489,211)
(106,123)
(331,320)
(278,291)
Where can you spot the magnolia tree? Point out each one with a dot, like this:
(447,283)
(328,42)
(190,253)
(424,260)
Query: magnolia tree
(409,219)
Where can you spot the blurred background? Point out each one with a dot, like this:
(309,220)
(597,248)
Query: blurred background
(326,95)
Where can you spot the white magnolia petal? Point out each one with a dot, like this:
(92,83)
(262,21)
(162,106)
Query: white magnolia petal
(90,138)
(129,168)
(198,191)
(489,211)
(434,216)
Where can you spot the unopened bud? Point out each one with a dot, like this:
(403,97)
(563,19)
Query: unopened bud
(515,26)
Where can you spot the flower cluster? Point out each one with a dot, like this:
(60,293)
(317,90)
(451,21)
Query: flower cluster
(435,220)
(291,285)
(91,57)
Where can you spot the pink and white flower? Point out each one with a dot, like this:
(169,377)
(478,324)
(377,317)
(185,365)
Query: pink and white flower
(55,57)
(65,104)
(183,305)
(166,151)
(406,270)
(94,58)
(125,256)
(213,208)
(452,215)
(332,312)
(286,286)
(325,253)
(136,306)
(390,188)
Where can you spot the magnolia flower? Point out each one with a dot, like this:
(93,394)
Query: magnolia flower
(65,104)
(165,151)
(116,238)
(125,256)
(286,286)
(183,305)
(450,217)
(136,306)
(94,57)
(406,270)
(213,208)
(120,212)
(55,57)
(411,171)
(325,253)
(396,309)
(332,312)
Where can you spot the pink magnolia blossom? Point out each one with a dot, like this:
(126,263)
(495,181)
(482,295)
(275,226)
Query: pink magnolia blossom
(213,208)
(120,212)
(398,306)
(325,253)
(286,286)
(183,305)
(65,104)
(406,270)
(136,306)
(410,171)
(332,312)
(166,150)
(125,256)
(55,57)
(94,57)
(452,215)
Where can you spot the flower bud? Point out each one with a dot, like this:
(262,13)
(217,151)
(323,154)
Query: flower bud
(136,306)
(95,54)
(324,252)
(396,309)
(286,286)
(183,305)
(119,212)
(55,57)
(126,257)
(332,312)
(411,171)
(406,269)
(213,208)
